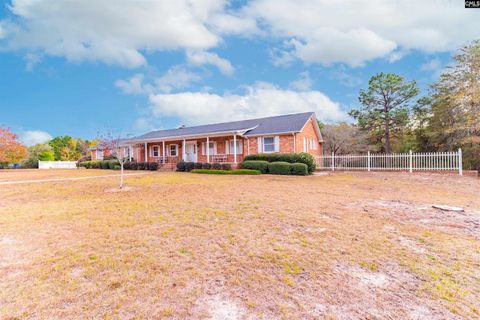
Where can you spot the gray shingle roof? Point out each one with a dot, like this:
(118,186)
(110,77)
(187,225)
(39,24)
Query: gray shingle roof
(278,124)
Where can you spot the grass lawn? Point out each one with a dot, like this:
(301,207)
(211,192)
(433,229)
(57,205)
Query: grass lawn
(180,245)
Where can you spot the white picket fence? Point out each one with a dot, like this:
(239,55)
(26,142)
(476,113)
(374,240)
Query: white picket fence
(57,165)
(428,161)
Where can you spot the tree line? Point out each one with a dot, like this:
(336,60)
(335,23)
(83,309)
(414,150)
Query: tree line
(394,118)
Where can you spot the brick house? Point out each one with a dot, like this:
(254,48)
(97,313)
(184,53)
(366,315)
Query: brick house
(227,142)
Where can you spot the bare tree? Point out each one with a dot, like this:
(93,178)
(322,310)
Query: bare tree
(116,148)
(344,138)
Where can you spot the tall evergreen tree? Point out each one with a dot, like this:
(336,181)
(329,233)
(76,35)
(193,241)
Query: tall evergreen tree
(386,106)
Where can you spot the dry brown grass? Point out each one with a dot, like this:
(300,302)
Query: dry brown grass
(178,246)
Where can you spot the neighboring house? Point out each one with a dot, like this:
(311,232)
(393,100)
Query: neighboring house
(226,142)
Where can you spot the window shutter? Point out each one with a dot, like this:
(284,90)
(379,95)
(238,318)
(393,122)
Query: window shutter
(277,143)
(259,143)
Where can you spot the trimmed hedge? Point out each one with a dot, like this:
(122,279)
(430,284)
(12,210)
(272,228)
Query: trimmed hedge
(280,167)
(226,166)
(206,165)
(197,165)
(189,166)
(181,166)
(302,157)
(259,165)
(299,169)
(233,172)
(216,166)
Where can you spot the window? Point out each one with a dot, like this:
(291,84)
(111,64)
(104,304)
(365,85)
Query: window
(211,150)
(173,150)
(155,151)
(268,144)
(99,154)
(239,147)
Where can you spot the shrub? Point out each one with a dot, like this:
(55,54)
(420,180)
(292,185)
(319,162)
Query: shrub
(112,164)
(133,165)
(279,167)
(189,166)
(84,164)
(197,165)
(259,165)
(153,166)
(299,169)
(216,166)
(95,164)
(127,165)
(104,164)
(226,166)
(207,165)
(117,167)
(181,166)
(140,165)
(234,172)
(302,157)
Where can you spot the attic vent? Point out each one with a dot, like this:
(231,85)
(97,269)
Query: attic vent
(182,126)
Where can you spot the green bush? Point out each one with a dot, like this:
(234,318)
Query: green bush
(226,166)
(104,164)
(259,165)
(189,166)
(216,166)
(302,157)
(234,172)
(95,164)
(280,167)
(133,165)
(112,164)
(84,164)
(181,166)
(206,165)
(299,169)
(140,165)
(197,165)
(117,167)
(153,166)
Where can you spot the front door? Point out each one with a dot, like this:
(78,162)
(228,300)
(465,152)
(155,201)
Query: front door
(191,152)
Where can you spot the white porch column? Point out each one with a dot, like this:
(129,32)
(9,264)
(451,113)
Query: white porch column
(130,152)
(146,153)
(164,157)
(235,148)
(183,150)
(208,149)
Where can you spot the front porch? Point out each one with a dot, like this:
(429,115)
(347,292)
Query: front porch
(215,149)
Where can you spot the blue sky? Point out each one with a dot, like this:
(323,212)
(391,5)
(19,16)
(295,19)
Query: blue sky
(80,67)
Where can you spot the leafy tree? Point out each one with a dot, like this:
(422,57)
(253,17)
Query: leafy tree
(66,148)
(11,150)
(343,138)
(42,152)
(386,107)
(454,108)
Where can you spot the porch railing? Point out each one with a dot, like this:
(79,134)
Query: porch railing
(426,161)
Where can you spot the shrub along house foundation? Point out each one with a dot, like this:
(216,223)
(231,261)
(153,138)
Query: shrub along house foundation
(227,142)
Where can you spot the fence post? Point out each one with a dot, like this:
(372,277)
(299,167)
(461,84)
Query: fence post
(333,161)
(368,156)
(460,166)
(411,162)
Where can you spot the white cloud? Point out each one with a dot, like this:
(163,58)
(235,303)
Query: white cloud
(432,65)
(302,83)
(134,85)
(199,58)
(261,99)
(31,60)
(177,77)
(345,78)
(116,32)
(357,31)
(33,137)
